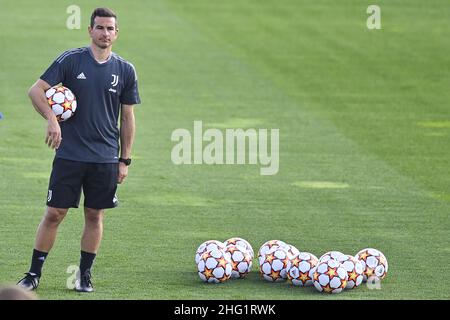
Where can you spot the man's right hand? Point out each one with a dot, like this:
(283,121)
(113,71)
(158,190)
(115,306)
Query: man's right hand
(39,102)
(53,137)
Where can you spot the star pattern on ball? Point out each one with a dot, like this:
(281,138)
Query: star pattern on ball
(272,243)
(208,273)
(295,262)
(274,275)
(206,255)
(285,262)
(60,100)
(231,249)
(270,258)
(304,277)
(382,260)
(67,105)
(327,288)
(363,255)
(224,278)
(331,272)
(352,275)
(222,262)
(369,272)
(316,276)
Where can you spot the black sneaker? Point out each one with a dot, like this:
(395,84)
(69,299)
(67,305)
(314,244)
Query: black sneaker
(84,284)
(30,282)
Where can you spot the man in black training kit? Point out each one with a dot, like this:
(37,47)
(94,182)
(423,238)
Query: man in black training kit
(87,145)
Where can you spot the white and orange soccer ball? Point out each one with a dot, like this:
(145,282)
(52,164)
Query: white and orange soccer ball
(267,246)
(241,261)
(240,242)
(301,269)
(214,266)
(207,246)
(374,263)
(274,266)
(330,277)
(355,271)
(62,101)
(335,255)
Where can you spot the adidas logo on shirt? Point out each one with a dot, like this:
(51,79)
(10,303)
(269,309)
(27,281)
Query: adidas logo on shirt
(81,76)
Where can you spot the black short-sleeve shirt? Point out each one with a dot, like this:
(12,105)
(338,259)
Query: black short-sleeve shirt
(92,133)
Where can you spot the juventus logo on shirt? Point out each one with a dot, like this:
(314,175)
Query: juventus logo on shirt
(115,80)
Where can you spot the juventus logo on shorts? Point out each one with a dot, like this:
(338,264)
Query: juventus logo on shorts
(49,197)
(115,80)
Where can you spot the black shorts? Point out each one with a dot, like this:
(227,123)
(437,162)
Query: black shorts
(98,181)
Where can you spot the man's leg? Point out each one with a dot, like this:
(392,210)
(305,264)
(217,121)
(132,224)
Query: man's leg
(99,187)
(64,191)
(48,228)
(90,242)
(45,238)
(93,230)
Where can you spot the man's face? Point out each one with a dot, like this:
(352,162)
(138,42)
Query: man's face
(104,32)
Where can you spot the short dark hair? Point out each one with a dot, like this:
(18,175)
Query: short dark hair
(102,12)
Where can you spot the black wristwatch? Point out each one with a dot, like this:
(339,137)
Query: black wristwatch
(126,161)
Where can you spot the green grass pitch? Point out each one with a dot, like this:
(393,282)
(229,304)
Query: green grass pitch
(364,124)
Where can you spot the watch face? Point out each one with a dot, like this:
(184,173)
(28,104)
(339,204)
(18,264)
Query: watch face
(126,161)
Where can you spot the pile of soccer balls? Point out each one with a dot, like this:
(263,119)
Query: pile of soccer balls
(219,261)
(278,261)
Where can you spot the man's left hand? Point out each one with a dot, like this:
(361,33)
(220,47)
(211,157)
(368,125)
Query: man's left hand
(123,172)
